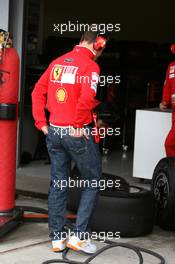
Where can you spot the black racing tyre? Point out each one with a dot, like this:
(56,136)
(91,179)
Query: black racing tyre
(163,186)
(74,193)
(129,210)
(75,174)
(132,213)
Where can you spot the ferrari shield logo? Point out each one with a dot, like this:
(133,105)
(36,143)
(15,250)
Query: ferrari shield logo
(63,74)
(57,72)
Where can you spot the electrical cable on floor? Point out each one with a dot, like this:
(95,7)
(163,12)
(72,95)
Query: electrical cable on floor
(43,217)
(110,244)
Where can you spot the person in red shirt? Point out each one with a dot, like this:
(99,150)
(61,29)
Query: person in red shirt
(68,89)
(168,100)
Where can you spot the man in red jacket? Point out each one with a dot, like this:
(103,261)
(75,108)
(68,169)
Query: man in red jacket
(168,100)
(68,88)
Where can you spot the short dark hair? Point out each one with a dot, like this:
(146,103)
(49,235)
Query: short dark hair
(89,35)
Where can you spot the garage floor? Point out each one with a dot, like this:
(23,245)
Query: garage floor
(29,244)
(117,163)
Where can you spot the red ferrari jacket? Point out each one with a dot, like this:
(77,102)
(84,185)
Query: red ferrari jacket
(68,89)
(169,85)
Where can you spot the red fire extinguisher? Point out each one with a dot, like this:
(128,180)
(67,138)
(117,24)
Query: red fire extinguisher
(9,86)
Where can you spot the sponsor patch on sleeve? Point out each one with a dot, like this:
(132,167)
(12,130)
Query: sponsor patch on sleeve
(94,81)
(172,69)
(171,75)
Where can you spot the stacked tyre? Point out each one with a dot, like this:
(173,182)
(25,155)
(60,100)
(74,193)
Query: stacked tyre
(129,210)
(163,187)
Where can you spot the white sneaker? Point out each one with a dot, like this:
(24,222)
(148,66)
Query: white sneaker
(59,245)
(81,245)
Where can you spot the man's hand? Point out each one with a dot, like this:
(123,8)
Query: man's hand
(163,106)
(79,132)
(44,129)
(173,100)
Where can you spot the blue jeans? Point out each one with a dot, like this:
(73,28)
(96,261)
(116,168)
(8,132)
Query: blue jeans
(85,153)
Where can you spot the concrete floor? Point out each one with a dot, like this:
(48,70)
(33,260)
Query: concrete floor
(114,163)
(29,244)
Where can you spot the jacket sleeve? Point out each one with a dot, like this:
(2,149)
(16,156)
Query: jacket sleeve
(39,100)
(87,101)
(166,98)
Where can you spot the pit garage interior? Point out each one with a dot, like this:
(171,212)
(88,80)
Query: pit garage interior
(139,53)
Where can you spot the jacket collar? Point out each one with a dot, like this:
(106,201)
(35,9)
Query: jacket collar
(84,51)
